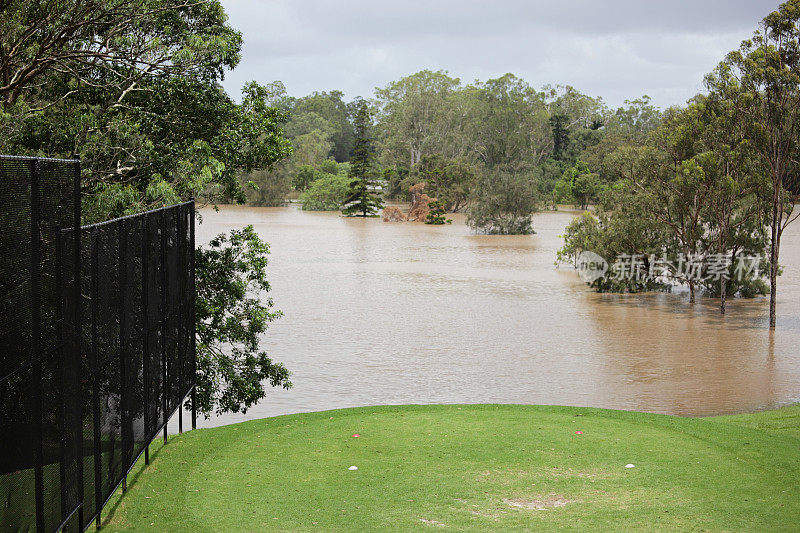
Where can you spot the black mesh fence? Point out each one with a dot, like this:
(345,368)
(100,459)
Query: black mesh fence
(96,343)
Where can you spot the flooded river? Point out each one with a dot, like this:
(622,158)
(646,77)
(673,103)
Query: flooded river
(382,313)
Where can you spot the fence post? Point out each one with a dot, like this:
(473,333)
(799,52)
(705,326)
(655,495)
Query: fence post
(192,313)
(62,407)
(180,241)
(98,457)
(78,324)
(36,373)
(164,317)
(146,337)
(123,282)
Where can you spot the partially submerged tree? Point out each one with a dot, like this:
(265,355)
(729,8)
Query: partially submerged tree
(327,193)
(437,214)
(449,180)
(363,198)
(762,80)
(503,203)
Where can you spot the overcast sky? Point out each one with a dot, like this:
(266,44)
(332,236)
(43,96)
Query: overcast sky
(616,49)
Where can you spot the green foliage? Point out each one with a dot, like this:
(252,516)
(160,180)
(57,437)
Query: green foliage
(760,85)
(415,112)
(233,311)
(506,123)
(328,192)
(634,120)
(328,113)
(329,167)
(152,125)
(449,180)
(578,186)
(436,215)
(396,179)
(559,122)
(687,193)
(503,203)
(115,44)
(133,88)
(362,198)
(311,148)
(268,188)
(582,234)
(304,175)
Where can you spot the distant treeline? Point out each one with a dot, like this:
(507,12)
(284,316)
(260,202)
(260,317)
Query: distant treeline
(429,127)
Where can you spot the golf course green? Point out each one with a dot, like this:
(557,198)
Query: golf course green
(472,467)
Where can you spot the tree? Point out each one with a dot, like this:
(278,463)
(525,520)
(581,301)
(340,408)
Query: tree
(311,148)
(635,119)
(268,188)
(762,79)
(579,186)
(333,112)
(686,198)
(559,122)
(233,311)
(507,123)
(327,193)
(362,199)
(133,87)
(737,211)
(303,176)
(111,44)
(436,215)
(449,180)
(503,203)
(414,116)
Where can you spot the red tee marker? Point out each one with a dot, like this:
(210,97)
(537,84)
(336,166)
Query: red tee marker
(356,435)
(579,432)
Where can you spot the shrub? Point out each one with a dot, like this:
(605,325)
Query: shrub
(326,193)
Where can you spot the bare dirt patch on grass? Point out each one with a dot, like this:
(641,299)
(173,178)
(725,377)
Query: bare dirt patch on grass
(552,501)
(543,474)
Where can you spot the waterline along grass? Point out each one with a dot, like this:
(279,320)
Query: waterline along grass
(472,467)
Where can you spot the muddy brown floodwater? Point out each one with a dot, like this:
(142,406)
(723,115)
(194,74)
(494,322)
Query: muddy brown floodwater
(396,313)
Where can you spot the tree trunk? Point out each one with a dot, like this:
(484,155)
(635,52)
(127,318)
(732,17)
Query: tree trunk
(723,282)
(773,280)
(691,292)
(774,249)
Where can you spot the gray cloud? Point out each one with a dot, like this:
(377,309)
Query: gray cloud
(615,49)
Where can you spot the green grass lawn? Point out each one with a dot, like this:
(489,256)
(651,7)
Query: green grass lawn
(476,467)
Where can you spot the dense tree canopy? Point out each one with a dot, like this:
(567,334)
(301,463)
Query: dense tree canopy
(132,87)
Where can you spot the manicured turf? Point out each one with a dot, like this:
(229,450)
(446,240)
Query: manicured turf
(476,467)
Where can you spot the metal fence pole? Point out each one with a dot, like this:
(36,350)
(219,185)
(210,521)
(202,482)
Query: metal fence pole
(78,333)
(98,479)
(123,286)
(146,338)
(192,314)
(181,242)
(36,374)
(62,362)
(164,317)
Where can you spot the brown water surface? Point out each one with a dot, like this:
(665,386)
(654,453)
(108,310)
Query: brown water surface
(382,313)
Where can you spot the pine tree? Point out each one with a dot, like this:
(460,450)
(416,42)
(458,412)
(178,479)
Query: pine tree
(559,123)
(437,212)
(362,198)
